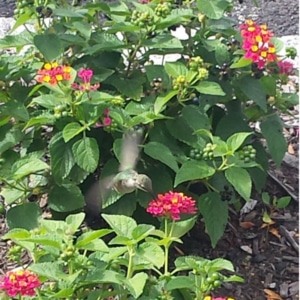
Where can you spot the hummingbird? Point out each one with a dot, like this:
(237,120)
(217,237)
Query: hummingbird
(127,179)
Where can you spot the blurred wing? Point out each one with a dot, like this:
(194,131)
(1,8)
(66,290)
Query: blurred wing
(130,150)
(96,195)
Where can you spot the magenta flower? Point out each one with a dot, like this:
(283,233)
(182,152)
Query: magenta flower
(170,205)
(21,282)
(106,119)
(86,76)
(286,68)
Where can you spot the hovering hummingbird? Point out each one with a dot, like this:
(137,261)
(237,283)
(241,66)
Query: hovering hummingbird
(124,182)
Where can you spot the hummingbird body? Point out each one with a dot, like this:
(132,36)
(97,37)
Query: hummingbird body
(127,180)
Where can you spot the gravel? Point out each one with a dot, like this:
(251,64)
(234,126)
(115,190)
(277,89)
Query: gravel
(280,15)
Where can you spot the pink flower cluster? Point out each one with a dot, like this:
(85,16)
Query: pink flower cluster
(170,205)
(286,68)
(106,119)
(86,76)
(21,282)
(257,43)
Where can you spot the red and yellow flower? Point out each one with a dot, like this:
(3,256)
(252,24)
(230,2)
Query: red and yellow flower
(53,73)
(257,43)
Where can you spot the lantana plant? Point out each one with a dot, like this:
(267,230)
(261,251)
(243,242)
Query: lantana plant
(135,264)
(82,76)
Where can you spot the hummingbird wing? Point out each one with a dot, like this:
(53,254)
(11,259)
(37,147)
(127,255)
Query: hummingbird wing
(96,195)
(130,150)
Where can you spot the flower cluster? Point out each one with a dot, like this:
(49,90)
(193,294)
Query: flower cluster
(21,282)
(106,119)
(86,76)
(53,73)
(257,43)
(286,68)
(216,298)
(171,205)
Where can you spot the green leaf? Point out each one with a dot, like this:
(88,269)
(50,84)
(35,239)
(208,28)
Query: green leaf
(9,137)
(142,231)
(51,270)
(23,216)
(241,181)
(212,9)
(86,154)
(236,140)
(32,166)
(192,170)
(122,225)
(65,198)
(269,84)
(266,198)
(62,158)
(215,214)
(89,237)
(195,118)
(162,153)
(175,69)
(152,253)
(161,101)
(180,282)
(16,109)
(222,54)
(210,88)
(271,129)
(180,228)
(283,202)
(16,234)
(136,284)
(130,87)
(47,101)
(49,45)
(242,62)
(234,278)
(71,130)
(74,221)
(254,90)
(10,195)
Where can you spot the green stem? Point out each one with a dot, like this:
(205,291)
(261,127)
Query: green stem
(130,262)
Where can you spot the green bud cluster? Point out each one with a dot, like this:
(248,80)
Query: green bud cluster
(195,154)
(180,82)
(291,52)
(247,154)
(112,127)
(208,151)
(162,9)
(203,74)
(23,7)
(68,252)
(61,111)
(14,253)
(142,18)
(118,101)
(214,280)
(195,63)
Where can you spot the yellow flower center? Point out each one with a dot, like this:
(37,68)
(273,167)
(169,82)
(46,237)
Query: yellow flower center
(254,48)
(47,66)
(263,54)
(59,77)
